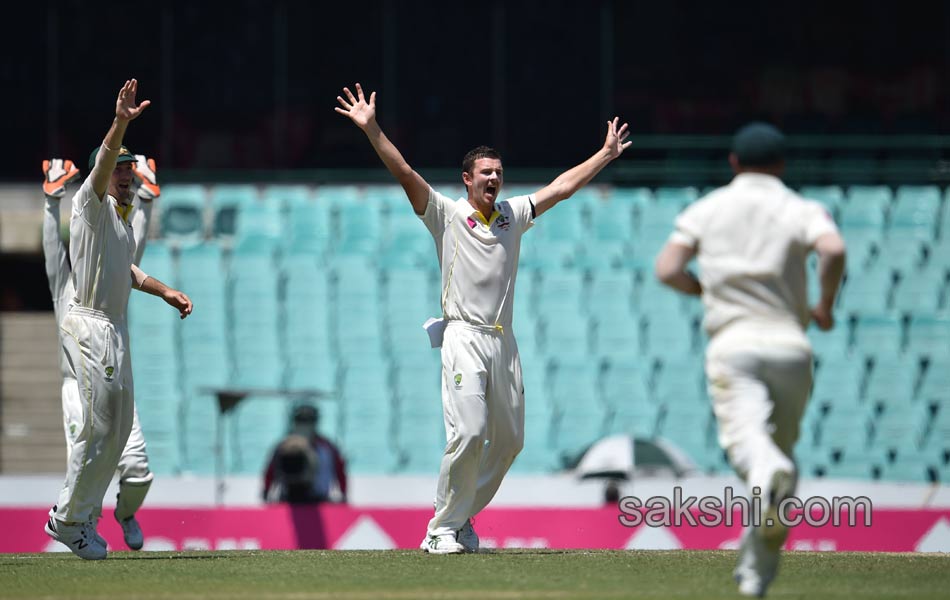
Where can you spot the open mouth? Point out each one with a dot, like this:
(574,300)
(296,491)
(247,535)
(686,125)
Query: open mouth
(491,190)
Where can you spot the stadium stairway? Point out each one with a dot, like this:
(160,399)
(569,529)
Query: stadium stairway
(31,422)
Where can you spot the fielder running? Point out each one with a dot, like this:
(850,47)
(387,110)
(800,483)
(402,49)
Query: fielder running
(478,239)
(135,478)
(95,334)
(751,239)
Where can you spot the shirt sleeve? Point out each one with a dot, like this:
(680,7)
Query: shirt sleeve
(818,221)
(522,211)
(687,229)
(86,204)
(435,216)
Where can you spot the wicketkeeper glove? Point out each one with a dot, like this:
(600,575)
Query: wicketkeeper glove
(144,169)
(57,173)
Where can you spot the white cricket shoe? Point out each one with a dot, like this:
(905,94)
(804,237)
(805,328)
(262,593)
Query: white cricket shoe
(442,544)
(467,537)
(131,532)
(80,538)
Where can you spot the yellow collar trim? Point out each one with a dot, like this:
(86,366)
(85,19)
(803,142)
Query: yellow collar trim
(124,212)
(494,215)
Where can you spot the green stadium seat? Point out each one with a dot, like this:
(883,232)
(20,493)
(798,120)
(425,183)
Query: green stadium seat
(359,228)
(260,218)
(285,195)
(845,427)
(916,207)
(182,209)
(616,335)
(336,194)
(257,424)
(877,333)
(680,379)
(920,291)
(928,335)
(850,464)
(866,291)
(934,381)
(612,221)
(879,196)
(227,202)
(310,224)
(199,441)
(911,469)
(832,196)
(892,376)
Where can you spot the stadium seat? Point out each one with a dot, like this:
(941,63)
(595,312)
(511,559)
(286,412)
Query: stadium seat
(892,376)
(920,290)
(616,335)
(689,429)
(832,196)
(849,463)
(227,202)
(260,219)
(877,333)
(681,380)
(928,335)
(284,195)
(916,209)
(406,241)
(311,225)
(934,381)
(182,209)
(359,228)
(866,291)
(257,424)
(845,427)
(877,196)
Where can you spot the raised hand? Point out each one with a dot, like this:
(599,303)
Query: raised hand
(616,142)
(357,108)
(126,108)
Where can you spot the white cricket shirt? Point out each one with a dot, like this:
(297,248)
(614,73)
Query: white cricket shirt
(752,238)
(479,259)
(101,248)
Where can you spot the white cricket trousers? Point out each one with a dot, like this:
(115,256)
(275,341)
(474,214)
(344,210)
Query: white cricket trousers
(483,406)
(759,375)
(97,352)
(133,463)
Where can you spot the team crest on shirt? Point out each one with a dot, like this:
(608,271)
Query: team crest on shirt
(502,221)
(458,381)
(109,373)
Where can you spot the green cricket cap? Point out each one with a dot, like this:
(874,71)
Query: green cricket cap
(759,145)
(125,155)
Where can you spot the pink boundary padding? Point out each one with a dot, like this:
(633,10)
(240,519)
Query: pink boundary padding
(335,526)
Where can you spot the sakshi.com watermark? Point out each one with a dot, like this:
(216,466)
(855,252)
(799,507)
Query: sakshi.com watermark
(732,508)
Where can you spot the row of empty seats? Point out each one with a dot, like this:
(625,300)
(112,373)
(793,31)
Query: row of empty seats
(329,300)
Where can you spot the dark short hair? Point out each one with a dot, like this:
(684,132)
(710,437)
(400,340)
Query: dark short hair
(759,145)
(468,163)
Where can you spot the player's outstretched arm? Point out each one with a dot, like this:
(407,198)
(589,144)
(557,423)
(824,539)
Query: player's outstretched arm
(831,262)
(150,285)
(126,110)
(56,174)
(363,115)
(574,179)
(671,270)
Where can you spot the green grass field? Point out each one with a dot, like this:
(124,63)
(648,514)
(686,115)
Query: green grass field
(505,574)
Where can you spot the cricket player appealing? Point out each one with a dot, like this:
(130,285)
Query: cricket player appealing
(478,239)
(135,478)
(95,334)
(751,239)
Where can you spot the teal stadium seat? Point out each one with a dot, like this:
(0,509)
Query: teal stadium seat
(306,325)
(285,195)
(928,336)
(204,342)
(627,396)
(255,302)
(681,380)
(831,196)
(359,228)
(892,376)
(227,202)
(580,416)
(310,224)
(850,463)
(257,424)
(915,212)
(934,382)
(183,213)
(874,333)
(356,311)
(920,290)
